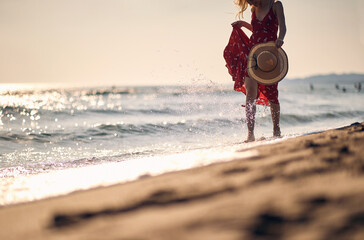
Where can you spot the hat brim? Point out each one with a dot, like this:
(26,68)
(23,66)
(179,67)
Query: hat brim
(271,77)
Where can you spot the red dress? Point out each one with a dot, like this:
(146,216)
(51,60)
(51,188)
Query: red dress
(237,51)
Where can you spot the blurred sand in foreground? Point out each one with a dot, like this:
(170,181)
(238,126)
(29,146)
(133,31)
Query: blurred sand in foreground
(309,187)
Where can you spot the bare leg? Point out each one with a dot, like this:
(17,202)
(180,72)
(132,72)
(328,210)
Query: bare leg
(251,93)
(275,111)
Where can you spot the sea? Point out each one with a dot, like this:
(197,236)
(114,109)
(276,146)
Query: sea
(57,139)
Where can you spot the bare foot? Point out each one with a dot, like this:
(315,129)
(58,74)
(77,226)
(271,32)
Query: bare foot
(250,138)
(277,133)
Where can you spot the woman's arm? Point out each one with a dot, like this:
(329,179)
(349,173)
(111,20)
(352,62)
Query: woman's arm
(241,23)
(278,10)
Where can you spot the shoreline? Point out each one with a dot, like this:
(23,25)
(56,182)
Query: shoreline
(25,189)
(307,187)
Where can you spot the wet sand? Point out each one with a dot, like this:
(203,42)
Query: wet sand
(309,187)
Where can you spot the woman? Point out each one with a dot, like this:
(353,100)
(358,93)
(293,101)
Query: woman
(267,18)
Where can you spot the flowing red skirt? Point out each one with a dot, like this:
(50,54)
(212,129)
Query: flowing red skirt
(236,56)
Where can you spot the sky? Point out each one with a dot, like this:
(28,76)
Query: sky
(163,42)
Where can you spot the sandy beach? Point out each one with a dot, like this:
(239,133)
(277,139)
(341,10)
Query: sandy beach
(308,187)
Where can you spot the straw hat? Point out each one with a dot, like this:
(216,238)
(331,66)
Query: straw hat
(267,64)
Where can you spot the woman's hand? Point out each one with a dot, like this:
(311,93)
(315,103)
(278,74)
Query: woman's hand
(237,24)
(241,24)
(279,42)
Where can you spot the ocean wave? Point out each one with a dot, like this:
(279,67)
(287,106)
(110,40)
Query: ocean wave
(198,125)
(297,118)
(126,111)
(113,91)
(144,129)
(117,130)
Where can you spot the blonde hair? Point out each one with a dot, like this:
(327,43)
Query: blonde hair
(243,5)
